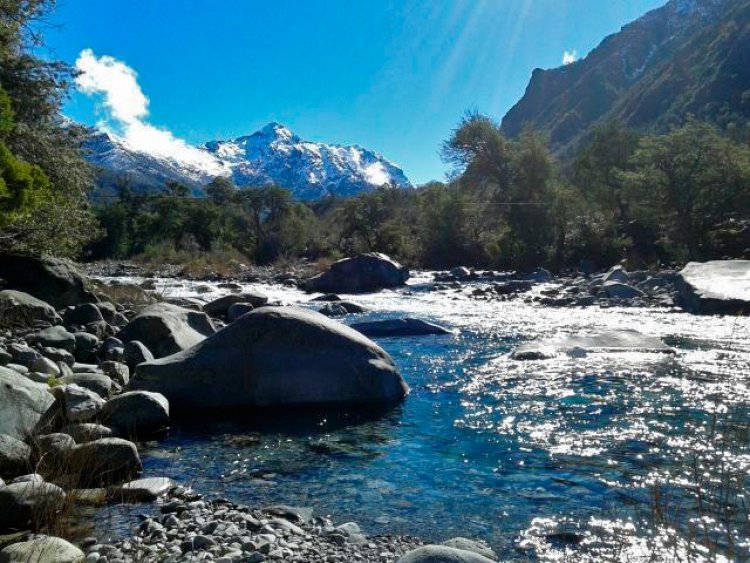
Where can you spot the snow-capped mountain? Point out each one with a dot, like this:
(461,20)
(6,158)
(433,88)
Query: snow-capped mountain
(273,155)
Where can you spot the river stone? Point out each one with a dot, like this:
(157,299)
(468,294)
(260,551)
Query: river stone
(108,310)
(616,274)
(83,432)
(467,544)
(442,554)
(361,274)
(137,412)
(56,337)
(137,353)
(42,549)
(399,327)
(51,451)
(56,281)
(275,356)
(166,329)
(99,383)
(80,404)
(59,356)
(109,460)
(719,287)
(46,366)
(118,371)
(22,309)
(83,314)
(220,307)
(22,403)
(236,310)
(5,357)
(86,342)
(607,341)
(24,504)
(22,354)
(143,490)
(14,456)
(617,290)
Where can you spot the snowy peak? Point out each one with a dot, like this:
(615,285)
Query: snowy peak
(272,155)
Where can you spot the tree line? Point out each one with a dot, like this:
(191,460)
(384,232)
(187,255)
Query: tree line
(650,199)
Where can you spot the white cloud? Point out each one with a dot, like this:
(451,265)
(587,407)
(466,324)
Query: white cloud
(569,57)
(127,111)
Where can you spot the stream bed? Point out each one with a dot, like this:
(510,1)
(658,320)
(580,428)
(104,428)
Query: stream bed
(610,456)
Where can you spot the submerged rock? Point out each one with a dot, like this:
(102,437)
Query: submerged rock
(166,329)
(275,356)
(442,554)
(720,287)
(399,327)
(361,274)
(580,345)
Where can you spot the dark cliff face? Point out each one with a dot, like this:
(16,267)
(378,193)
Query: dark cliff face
(688,57)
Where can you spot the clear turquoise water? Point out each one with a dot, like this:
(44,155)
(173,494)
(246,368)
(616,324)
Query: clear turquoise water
(546,460)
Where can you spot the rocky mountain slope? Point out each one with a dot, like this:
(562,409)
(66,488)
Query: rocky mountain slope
(687,57)
(273,155)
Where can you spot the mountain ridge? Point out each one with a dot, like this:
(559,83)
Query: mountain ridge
(273,155)
(686,57)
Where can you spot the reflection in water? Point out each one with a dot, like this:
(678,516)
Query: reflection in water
(606,457)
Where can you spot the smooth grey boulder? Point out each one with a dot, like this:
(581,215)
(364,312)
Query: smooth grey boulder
(399,327)
(51,452)
(166,329)
(719,287)
(27,504)
(22,309)
(83,314)
(579,345)
(118,371)
(55,337)
(22,403)
(14,456)
(220,307)
(616,274)
(443,554)
(236,310)
(79,404)
(108,311)
(59,356)
(22,354)
(99,383)
(340,308)
(137,412)
(46,366)
(617,290)
(105,461)
(136,353)
(86,342)
(42,549)
(143,490)
(362,274)
(87,432)
(275,356)
(467,544)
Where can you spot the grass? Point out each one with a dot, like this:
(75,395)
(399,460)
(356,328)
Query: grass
(221,261)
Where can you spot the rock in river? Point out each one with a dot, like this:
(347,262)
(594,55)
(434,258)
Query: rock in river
(720,287)
(608,341)
(399,327)
(442,554)
(275,356)
(166,329)
(42,549)
(22,403)
(361,274)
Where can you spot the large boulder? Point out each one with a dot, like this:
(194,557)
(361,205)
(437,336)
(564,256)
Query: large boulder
(275,356)
(582,344)
(56,281)
(21,309)
(220,307)
(14,456)
(42,549)
(105,461)
(720,287)
(617,290)
(361,274)
(22,403)
(55,337)
(399,327)
(28,504)
(137,412)
(166,329)
(442,554)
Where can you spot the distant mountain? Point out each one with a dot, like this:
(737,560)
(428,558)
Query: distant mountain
(273,155)
(687,57)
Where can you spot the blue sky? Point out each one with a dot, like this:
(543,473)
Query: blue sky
(392,76)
